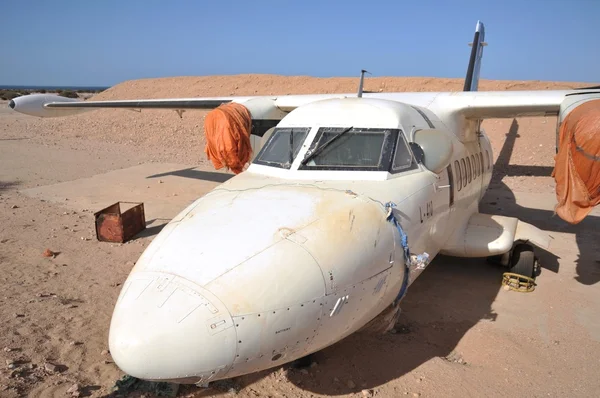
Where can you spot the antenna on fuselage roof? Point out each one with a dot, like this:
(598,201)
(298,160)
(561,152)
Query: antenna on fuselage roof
(362,81)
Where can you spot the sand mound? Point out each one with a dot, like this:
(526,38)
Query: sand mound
(256,84)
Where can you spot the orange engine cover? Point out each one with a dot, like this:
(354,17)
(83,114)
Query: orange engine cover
(227,130)
(577,163)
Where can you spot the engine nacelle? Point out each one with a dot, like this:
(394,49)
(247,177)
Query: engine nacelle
(571,102)
(265,117)
(577,160)
(34,105)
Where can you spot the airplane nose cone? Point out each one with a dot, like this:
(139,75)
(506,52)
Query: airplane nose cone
(11,104)
(167,328)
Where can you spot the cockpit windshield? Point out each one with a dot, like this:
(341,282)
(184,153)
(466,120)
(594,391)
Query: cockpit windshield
(282,147)
(339,148)
(353,149)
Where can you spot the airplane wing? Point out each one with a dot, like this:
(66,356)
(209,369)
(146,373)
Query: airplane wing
(510,104)
(171,103)
(470,104)
(49,105)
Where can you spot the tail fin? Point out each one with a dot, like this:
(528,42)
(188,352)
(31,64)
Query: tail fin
(472,78)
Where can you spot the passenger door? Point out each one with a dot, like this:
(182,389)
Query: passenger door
(437,210)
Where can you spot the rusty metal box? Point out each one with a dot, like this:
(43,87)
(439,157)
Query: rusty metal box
(114,226)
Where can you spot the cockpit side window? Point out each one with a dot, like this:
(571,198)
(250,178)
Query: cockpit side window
(351,149)
(403,158)
(282,147)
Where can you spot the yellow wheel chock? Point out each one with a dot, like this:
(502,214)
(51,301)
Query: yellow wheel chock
(518,283)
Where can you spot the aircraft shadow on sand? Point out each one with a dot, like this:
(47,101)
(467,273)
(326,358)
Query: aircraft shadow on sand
(586,233)
(196,174)
(444,303)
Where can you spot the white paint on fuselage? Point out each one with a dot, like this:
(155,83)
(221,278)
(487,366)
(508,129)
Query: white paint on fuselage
(286,262)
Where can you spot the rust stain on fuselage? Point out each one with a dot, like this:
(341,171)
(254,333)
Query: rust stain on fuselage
(344,218)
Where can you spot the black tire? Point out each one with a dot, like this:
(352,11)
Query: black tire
(522,260)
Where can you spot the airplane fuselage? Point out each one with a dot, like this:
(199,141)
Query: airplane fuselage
(280,262)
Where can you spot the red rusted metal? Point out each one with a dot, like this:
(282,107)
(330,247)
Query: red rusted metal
(114,226)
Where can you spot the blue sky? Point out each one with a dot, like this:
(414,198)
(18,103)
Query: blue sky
(84,42)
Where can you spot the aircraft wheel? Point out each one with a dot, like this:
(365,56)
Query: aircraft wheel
(523,261)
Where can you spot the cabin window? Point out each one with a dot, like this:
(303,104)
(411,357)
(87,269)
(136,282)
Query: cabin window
(475,167)
(481,162)
(463,169)
(451,183)
(282,147)
(346,148)
(487,157)
(469,169)
(458,175)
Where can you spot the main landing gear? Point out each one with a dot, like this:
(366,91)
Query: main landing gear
(523,261)
(523,267)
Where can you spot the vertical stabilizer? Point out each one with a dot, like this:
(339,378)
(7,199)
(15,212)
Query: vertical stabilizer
(472,78)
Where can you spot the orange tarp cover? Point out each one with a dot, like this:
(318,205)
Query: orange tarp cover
(577,163)
(227,130)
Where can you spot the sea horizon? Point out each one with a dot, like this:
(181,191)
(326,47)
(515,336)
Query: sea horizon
(33,87)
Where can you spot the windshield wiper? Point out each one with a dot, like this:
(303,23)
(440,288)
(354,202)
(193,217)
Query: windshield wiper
(320,149)
(291,147)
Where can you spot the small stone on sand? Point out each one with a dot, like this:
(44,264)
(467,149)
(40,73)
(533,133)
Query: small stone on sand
(50,367)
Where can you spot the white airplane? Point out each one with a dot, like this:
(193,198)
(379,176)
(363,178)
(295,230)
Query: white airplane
(348,199)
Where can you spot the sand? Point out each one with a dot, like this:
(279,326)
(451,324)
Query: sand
(460,334)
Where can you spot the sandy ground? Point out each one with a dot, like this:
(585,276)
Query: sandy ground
(460,334)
